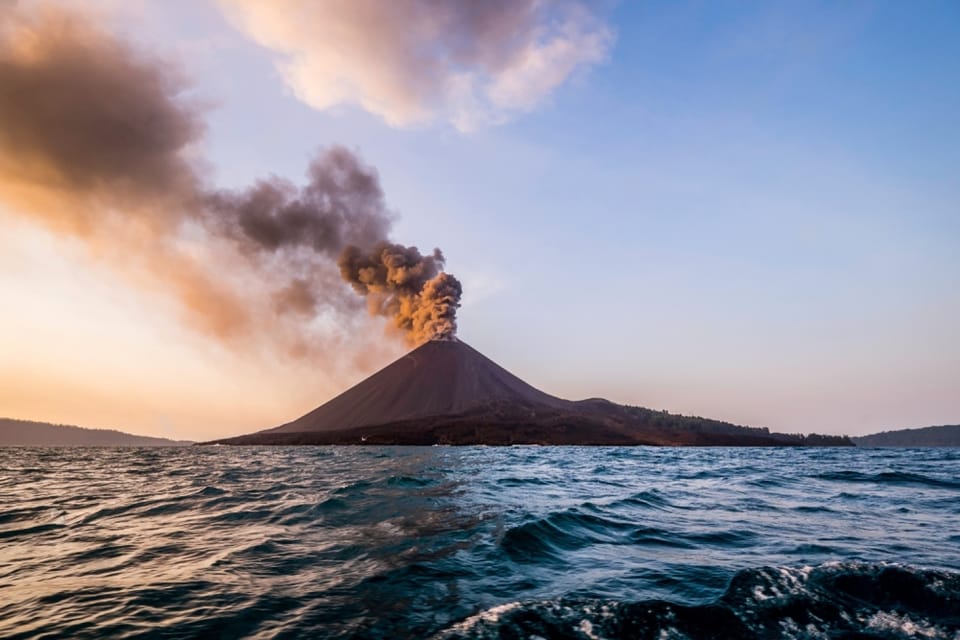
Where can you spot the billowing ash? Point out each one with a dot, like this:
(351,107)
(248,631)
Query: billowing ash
(99,142)
(410,289)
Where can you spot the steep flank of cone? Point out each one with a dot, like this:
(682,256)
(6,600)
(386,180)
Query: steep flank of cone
(441,377)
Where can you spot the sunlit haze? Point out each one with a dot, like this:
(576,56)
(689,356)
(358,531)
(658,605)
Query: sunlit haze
(745,211)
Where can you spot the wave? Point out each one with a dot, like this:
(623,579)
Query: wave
(547,538)
(897,478)
(834,600)
(405,542)
(539,540)
(649,499)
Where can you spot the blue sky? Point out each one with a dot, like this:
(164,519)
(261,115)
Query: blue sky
(749,211)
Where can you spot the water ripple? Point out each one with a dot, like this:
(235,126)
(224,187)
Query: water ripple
(479,542)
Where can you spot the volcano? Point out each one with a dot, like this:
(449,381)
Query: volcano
(446,392)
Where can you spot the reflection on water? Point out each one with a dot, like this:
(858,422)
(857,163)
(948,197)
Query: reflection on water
(475,541)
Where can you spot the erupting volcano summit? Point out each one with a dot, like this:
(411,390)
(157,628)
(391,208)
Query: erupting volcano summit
(446,392)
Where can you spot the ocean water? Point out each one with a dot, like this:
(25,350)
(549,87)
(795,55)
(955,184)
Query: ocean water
(479,542)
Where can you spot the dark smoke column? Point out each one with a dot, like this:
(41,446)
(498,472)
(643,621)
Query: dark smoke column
(408,288)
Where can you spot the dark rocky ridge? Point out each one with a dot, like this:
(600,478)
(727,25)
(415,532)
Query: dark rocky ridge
(446,392)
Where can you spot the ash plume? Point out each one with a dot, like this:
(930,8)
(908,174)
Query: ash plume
(99,142)
(87,120)
(410,289)
(341,204)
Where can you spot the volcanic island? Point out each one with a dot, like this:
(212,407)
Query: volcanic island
(445,392)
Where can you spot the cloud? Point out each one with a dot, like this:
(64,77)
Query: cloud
(98,142)
(88,123)
(470,62)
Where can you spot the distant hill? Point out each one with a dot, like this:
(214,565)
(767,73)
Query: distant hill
(943,436)
(24,433)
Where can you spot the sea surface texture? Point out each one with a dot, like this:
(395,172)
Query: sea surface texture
(479,542)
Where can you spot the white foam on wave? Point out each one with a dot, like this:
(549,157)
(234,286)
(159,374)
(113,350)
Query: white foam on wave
(489,616)
(785,582)
(790,630)
(893,623)
(586,628)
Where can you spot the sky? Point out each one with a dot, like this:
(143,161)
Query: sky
(745,211)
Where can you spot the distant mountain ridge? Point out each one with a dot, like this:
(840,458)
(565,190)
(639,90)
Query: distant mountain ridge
(947,435)
(27,433)
(446,392)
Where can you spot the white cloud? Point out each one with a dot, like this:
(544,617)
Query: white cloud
(472,63)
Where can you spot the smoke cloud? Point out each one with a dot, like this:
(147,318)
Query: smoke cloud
(412,61)
(410,289)
(98,142)
(86,120)
(342,204)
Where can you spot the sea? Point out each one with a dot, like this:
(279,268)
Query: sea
(479,542)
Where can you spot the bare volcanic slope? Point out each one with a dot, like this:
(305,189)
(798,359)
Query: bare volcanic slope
(446,392)
(441,377)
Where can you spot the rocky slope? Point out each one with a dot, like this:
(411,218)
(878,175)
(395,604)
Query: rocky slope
(446,392)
